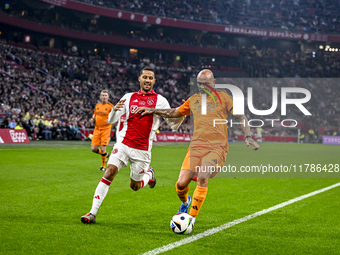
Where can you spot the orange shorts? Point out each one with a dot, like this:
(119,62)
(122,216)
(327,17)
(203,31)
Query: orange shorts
(196,157)
(101,137)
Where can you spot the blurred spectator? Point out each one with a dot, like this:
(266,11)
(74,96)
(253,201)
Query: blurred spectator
(19,126)
(11,123)
(56,131)
(44,130)
(76,132)
(66,132)
(28,126)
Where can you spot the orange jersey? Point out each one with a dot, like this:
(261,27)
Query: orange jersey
(205,134)
(102,112)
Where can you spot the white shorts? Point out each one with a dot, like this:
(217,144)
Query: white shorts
(139,160)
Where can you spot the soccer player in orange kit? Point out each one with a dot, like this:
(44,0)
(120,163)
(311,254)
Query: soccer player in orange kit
(209,143)
(102,130)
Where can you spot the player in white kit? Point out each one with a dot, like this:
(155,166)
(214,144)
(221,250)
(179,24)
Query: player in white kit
(134,140)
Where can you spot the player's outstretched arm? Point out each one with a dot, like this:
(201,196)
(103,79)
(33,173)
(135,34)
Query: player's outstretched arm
(246,129)
(165,113)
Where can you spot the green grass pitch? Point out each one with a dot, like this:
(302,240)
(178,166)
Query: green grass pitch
(45,188)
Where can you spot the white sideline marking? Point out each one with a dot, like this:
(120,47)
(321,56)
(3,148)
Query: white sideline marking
(235,222)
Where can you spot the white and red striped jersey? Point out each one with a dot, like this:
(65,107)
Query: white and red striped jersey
(137,131)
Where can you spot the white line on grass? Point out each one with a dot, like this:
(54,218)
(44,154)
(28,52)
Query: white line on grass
(235,222)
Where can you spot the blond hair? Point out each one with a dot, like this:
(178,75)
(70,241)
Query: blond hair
(105,91)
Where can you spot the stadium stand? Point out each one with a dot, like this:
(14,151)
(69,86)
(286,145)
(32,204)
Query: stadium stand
(65,88)
(55,88)
(300,15)
(103,26)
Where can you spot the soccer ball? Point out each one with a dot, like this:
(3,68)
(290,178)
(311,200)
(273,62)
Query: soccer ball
(182,223)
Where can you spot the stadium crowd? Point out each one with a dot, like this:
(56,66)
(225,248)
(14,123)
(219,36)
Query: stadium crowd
(319,16)
(312,16)
(49,87)
(53,90)
(271,63)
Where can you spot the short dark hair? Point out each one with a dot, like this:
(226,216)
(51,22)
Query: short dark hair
(147,68)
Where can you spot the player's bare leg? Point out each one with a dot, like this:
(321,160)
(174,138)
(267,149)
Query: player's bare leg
(148,178)
(135,185)
(184,179)
(111,172)
(100,193)
(103,147)
(94,148)
(182,189)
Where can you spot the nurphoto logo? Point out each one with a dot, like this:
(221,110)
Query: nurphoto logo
(238,103)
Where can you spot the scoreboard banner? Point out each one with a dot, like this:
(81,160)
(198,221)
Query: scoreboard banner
(56,2)
(13,136)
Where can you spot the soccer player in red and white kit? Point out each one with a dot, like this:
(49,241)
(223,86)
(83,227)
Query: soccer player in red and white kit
(134,140)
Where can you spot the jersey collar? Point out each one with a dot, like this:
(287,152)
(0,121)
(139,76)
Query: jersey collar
(151,92)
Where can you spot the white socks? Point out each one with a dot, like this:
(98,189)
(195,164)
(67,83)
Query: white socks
(146,178)
(187,202)
(99,195)
(103,188)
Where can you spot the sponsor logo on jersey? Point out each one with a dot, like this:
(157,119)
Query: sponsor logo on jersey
(133,108)
(142,103)
(101,113)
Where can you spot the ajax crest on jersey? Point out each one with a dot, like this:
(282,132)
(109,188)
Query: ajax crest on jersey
(182,223)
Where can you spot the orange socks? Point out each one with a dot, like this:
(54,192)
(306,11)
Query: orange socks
(104,156)
(199,196)
(182,193)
